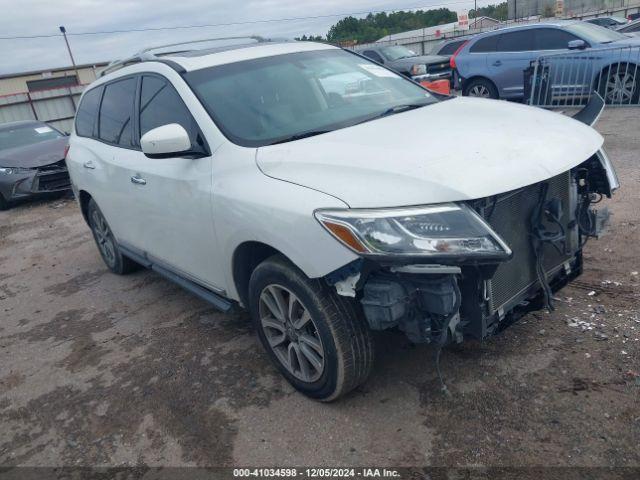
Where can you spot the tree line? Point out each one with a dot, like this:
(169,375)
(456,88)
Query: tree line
(378,25)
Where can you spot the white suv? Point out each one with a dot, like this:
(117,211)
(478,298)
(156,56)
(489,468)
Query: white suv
(331,197)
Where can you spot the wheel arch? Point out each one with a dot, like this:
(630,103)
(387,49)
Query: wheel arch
(246,257)
(84,198)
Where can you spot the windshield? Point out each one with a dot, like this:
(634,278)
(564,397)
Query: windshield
(397,52)
(594,33)
(275,99)
(23,135)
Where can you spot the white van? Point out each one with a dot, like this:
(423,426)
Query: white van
(327,215)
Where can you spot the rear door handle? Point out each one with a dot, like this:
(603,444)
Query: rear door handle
(89,164)
(497,63)
(138,180)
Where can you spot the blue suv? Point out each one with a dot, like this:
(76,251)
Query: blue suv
(491,65)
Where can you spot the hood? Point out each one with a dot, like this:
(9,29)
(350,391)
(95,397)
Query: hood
(34,155)
(459,149)
(420,60)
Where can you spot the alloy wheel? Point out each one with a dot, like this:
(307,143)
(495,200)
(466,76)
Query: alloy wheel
(104,238)
(479,91)
(291,333)
(620,87)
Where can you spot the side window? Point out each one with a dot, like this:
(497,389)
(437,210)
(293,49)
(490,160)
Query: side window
(160,105)
(87,112)
(450,48)
(373,56)
(552,39)
(115,112)
(520,41)
(485,45)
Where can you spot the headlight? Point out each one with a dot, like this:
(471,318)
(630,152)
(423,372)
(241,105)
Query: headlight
(418,70)
(13,170)
(440,231)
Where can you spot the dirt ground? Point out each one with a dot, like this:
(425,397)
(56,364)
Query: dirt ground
(97,369)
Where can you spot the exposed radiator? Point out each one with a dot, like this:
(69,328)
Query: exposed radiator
(510,218)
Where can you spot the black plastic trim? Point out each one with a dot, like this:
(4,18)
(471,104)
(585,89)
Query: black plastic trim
(221,303)
(592,110)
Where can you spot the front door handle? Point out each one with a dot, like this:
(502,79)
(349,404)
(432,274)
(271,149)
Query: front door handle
(138,180)
(89,164)
(497,63)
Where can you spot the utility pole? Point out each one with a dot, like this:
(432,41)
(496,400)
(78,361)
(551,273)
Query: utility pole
(73,62)
(475,11)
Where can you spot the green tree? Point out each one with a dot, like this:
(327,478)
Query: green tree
(498,11)
(378,25)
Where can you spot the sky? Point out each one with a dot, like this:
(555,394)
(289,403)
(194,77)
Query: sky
(42,17)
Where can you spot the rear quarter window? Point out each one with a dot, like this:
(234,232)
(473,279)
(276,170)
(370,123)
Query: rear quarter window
(519,41)
(88,112)
(484,45)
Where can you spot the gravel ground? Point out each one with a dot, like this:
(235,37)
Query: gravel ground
(97,369)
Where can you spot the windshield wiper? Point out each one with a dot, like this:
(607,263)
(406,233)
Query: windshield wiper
(300,136)
(401,108)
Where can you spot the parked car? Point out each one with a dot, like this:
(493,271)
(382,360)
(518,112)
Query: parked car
(421,68)
(31,161)
(632,27)
(447,48)
(607,22)
(491,65)
(232,173)
(633,16)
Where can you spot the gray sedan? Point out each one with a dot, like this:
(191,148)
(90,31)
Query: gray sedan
(31,161)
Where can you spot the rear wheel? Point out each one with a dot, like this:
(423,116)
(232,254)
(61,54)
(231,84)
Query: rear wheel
(480,87)
(619,85)
(107,245)
(317,339)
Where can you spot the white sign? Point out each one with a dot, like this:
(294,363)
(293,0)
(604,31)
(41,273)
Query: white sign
(463,20)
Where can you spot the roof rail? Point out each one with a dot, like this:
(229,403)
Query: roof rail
(145,55)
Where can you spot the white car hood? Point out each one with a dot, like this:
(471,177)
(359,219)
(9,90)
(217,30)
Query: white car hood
(458,149)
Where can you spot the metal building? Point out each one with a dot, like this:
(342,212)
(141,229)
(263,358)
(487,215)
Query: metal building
(47,95)
(568,8)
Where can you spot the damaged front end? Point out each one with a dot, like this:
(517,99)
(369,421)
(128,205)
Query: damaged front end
(442,273)
(20,183)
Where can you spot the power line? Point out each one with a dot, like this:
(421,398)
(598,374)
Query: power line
(230,24)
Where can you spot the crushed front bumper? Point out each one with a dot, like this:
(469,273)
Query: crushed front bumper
(45,180)
(544,224)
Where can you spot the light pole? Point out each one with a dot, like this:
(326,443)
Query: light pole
(73,62)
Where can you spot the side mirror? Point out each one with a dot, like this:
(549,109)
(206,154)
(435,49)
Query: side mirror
(577,45)
(167,141)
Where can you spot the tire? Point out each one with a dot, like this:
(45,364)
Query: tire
(4,205)
(324,328)
(480,87)
(619,85)
(106,243)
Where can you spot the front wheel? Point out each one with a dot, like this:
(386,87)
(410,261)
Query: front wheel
(619,85)
(317,339)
